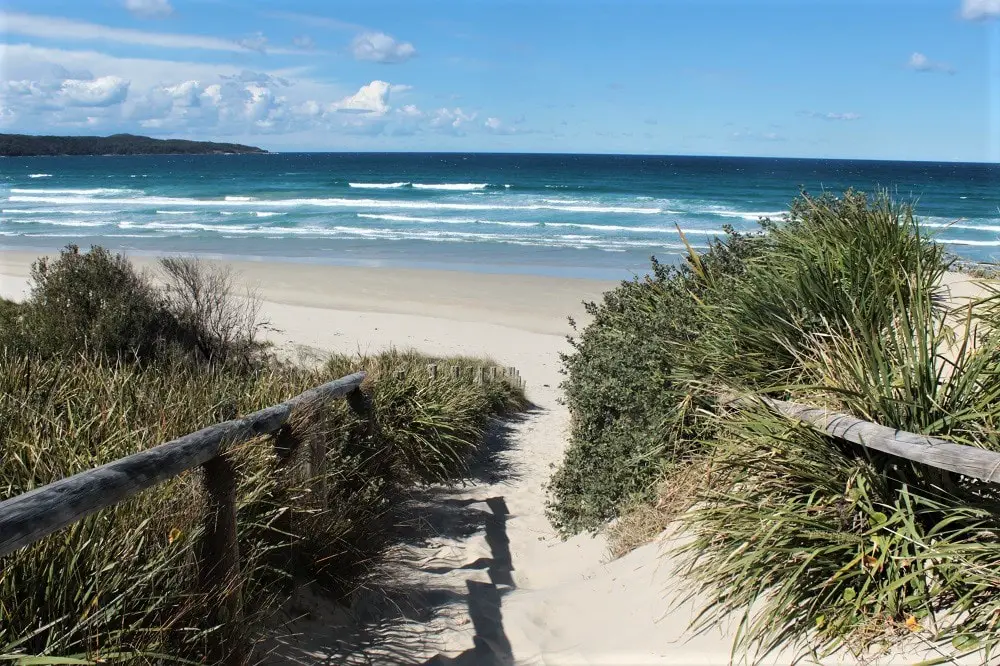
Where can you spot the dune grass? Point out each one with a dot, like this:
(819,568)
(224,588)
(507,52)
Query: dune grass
(122,585)
(815,544)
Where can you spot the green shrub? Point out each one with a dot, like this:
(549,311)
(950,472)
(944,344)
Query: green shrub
(11,325)
(96,302)
(857,548)
(431,427)
(631,413)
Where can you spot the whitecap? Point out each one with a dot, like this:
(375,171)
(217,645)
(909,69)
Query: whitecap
(378,186)
(455,187)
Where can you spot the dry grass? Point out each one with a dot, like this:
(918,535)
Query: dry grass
(643,522)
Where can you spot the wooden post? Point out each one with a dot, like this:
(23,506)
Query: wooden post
(401,374)
(317,467)
(432,370)
(480,375)
(220,563)
(493,373)
(456,371)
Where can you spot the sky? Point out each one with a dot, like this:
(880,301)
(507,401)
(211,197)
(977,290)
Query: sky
(867,79)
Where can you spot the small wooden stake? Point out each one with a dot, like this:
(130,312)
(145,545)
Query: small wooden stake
(456,371)
(432,370)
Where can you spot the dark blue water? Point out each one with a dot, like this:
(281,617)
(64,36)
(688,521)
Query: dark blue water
(575,215)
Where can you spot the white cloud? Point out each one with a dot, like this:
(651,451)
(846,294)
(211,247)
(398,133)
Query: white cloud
(53,90)
(757,136)
(149,8)
(850,115)
(54,27)
(451,120)
(921,63)
(380,47)
(105,91)
(977,10)
(833,115)
(256,42)
(371,98)
(496,126)
(304,42)
(317,21)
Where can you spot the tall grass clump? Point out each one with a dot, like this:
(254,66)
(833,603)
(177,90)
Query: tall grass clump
(316,505)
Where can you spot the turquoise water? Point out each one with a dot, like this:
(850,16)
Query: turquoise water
(598,216)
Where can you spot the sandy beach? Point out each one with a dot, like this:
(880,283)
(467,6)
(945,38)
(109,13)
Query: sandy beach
(506,589)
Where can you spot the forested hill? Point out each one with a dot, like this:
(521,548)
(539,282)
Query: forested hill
(20,145)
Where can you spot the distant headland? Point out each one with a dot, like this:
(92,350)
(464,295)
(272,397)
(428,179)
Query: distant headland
(27,145)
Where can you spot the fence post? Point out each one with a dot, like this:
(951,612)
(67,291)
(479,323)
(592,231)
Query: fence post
(432,370)
(220,562)
(401,374)
(456,371)
(317,464)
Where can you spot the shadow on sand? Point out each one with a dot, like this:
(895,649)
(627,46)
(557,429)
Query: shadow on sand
(384,625)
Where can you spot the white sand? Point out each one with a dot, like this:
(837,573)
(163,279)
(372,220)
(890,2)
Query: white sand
(549,601)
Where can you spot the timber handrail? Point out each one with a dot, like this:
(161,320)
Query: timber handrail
(968,461)
(27,518)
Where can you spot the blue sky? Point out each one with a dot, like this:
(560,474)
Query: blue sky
(880,79)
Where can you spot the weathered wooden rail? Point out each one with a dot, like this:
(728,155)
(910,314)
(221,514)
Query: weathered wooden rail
(968,461)
(29,517)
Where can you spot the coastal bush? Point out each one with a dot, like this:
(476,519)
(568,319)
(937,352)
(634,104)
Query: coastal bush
(220,324)
(632,416)
(95,302)
(833,264)
(431,427)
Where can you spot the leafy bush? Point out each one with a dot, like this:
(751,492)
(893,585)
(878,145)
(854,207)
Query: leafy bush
(96,302)
(630,417)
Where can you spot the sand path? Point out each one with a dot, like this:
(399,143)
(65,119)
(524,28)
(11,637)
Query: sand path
(484,578)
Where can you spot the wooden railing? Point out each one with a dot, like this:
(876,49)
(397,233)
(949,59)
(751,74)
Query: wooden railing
(968,461)
(26,518)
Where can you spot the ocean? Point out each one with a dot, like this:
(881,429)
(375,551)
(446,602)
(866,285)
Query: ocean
(592,216)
